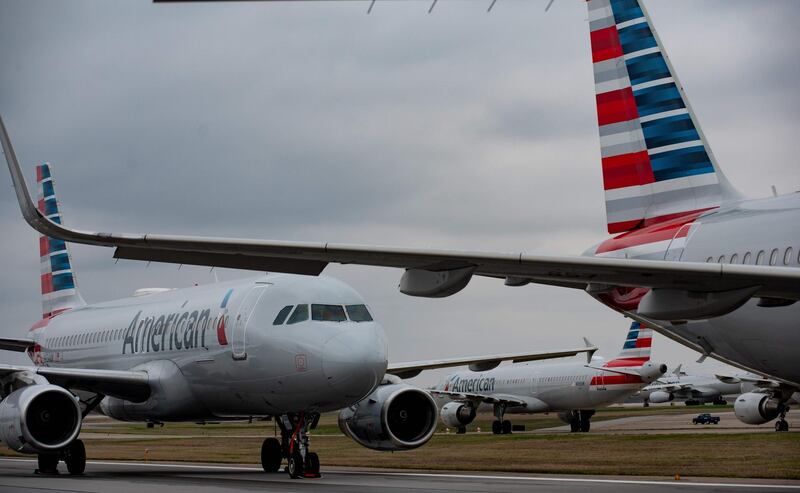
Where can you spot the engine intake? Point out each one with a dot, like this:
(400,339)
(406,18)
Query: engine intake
(755,408)
(39,418)
(393,417)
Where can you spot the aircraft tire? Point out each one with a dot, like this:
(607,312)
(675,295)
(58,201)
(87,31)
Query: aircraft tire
(585,425)
(75,457)
(781,425)
(295,465)
(506,427)
(271,455)
(574,426)
(497,427)
(48,463)
(312,465)
(461,430)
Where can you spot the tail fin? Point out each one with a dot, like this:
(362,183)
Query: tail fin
(59,290)
(656,161)
(636,349)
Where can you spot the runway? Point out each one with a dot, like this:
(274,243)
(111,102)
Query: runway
(16,475)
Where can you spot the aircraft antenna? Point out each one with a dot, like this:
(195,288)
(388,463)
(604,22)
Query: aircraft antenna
(549,4)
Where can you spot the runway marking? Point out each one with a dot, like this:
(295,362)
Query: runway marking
(453,476)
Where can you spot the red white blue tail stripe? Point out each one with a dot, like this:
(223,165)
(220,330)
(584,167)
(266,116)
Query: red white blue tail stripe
(59,291)
(636,348)
(656,162)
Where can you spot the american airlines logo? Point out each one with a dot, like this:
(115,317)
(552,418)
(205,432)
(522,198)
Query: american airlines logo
(171,332)
(458,384)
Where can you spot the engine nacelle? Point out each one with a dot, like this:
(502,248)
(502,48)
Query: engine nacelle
(755,408)
(659,396)
(393,417)
(457,414)
(39,418)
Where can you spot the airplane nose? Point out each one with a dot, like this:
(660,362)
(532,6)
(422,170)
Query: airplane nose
(354,361)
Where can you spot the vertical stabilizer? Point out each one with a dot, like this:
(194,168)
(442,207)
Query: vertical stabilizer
(656,161)
(59,289)
(636,348)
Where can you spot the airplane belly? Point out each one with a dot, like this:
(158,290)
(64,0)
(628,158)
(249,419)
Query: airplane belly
(762,339)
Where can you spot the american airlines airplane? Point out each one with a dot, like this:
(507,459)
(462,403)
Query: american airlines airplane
(283,346)
(690,257)
(573,389)
(693,389)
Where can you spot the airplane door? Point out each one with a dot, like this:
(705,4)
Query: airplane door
(678,243)
(238,347)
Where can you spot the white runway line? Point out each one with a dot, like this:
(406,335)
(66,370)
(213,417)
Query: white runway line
(452,476)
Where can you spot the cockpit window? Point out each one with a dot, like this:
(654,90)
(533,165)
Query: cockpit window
(282,315)
(300,314)
(328,313)
(358,313)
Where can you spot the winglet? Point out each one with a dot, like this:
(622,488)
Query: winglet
(589,354)
(29,210)
(677,370)
(26,205)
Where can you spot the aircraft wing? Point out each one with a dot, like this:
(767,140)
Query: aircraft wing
(482,363)
(668,387)
(429,272)
(19,345)
(506,399)
(129,385)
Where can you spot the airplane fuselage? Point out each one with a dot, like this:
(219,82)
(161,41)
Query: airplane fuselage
(547,387)
(763,339)
(214,352)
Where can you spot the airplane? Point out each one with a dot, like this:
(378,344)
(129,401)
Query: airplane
(691,257)
(283,346)
(573,389)
(692,389)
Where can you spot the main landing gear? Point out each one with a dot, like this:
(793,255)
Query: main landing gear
(580,421)
(293,446)
(782,424)
(74,456)
(500,426)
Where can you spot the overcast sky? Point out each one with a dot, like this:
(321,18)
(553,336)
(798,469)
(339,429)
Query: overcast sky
(314,121)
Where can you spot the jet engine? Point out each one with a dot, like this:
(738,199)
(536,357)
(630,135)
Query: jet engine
(457,414)
(755,408)
(39,418)
(659,396)
(394,417)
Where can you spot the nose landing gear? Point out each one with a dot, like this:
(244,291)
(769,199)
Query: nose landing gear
(301,463)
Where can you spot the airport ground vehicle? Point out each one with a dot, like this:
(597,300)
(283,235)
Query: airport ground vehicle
(705,419)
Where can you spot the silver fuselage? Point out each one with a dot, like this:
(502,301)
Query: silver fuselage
(548,387)
(218,352)
(764,340)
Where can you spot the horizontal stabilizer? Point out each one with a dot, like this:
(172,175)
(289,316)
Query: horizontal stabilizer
(19,345)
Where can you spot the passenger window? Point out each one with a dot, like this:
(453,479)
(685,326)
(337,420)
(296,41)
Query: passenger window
(746,258)
(300,314)
(760,258)
(734,258)
(328,313)
(773,257)
(787,256)
(282,315)
(358,313)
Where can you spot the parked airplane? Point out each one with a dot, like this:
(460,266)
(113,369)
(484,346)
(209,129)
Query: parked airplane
(692,258)
(574,389)
(692,389)
(283,346)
